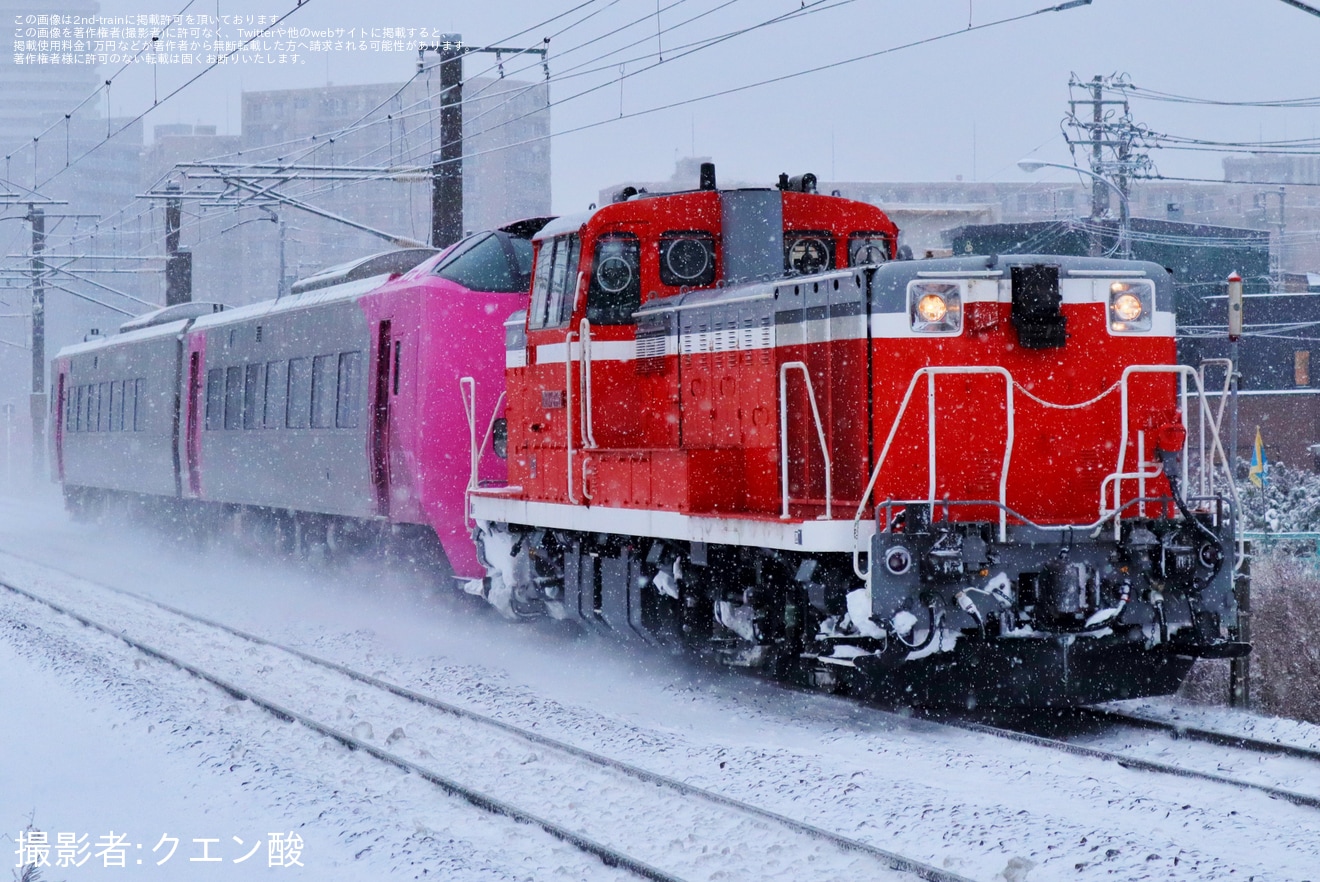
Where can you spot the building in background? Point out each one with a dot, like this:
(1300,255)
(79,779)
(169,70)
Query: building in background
(506,167)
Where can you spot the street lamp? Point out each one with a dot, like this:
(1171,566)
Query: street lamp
(1124,240)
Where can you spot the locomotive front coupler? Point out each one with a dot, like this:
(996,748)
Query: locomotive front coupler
(1158,580)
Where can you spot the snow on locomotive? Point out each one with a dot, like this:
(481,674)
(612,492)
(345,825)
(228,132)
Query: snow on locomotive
(736,423)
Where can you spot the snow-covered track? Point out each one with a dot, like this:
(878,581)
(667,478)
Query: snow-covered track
(1210,736)
(815,847)
(609,856)
(1130,759)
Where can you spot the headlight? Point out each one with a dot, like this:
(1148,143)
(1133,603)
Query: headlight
(932,308)
(1131,305)
(935,307)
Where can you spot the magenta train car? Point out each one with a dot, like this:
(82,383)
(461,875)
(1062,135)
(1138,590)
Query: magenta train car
(336,416)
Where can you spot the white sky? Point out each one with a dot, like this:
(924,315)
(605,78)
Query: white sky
(970,105)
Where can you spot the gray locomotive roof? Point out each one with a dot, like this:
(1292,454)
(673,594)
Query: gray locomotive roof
(891,278)
(739,292)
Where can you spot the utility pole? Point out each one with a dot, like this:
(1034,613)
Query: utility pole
(1099,193)
(178,262)
(447,162)
(1098,131)
(37,218)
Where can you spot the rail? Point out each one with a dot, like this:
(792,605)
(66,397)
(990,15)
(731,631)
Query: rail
(783,435)
(1215,420)
(1211,449)
(467,389)
(568,410)
(584,375)
(1216,454)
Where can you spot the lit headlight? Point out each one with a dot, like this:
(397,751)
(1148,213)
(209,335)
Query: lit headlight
(932,308)
(935,307)
(1128,307)
(1131,305)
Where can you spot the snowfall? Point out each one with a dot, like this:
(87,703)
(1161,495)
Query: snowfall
(100,743)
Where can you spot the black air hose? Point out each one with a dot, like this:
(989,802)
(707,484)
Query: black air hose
(1166,460)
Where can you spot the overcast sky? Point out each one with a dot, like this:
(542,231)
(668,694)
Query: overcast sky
(970,104)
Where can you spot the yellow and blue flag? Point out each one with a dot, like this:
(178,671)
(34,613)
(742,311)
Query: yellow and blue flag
(1259,473)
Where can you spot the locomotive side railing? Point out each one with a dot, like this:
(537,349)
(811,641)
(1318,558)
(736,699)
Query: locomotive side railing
(1211,456)
(568,410)
(1209,460)
(931,373)
(467,389)
(783,435)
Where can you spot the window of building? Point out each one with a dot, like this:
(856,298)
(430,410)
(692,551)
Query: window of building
(299,410)
(215,399)
(350,373)
(1302,367)
(324,382)
(233,397)
(254,393)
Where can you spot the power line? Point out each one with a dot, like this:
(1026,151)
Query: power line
(300,4)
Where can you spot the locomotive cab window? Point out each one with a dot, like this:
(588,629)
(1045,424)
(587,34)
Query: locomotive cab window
(867,248)
(687,258)
(615,292)
(808,251)
(555,284)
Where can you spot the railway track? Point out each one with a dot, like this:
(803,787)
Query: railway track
(1232,759)
(657,827)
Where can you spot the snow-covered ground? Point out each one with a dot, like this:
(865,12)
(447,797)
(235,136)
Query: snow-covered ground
(95,739)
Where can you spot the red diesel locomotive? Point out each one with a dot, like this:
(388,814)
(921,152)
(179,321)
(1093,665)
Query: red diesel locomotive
(736,422)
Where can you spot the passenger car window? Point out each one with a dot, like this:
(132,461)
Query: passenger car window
(300,393)
(253,389)
(324,370)
(346,408)
(215,398)
(277,392)
(233,397)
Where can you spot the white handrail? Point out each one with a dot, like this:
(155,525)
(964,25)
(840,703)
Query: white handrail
(930,373)
(467,389)
(783,434)
(1206,484)
(1216,445)
(588,433)
(568,409)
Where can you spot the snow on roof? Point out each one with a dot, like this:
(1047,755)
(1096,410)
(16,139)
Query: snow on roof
(568,223)
(168,329)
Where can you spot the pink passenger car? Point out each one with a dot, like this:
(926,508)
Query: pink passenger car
(338,415)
